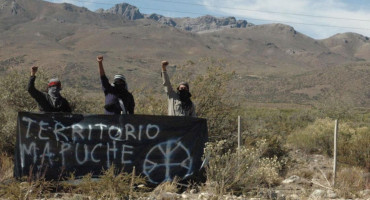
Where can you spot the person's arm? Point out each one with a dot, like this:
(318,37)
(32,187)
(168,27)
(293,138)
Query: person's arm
(67,107)
(101,68)
(131,107)
(36,94)
(166,80)
(104,80)
(193,114)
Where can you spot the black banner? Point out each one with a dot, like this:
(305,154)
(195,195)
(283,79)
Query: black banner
(160,147)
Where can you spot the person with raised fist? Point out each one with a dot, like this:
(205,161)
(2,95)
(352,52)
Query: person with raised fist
(50,101)
(118,100)
(179,102)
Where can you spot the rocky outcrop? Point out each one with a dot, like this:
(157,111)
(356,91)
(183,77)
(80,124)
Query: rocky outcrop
(126,10)
(207,23)
(199,24)
(162,19)
(16,8)
(72,8)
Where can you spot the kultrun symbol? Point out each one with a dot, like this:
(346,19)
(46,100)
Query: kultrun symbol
(167,160)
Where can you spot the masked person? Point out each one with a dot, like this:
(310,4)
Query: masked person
(118,100)
(179,102)
(51,101)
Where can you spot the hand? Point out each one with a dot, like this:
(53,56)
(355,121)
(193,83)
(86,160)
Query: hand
(164,65)
(99,59)
(33,70)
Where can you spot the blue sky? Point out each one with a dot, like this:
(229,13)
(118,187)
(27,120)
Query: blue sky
(316,18)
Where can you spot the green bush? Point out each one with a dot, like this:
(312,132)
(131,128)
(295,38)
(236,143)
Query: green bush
(318,137)
(354,147)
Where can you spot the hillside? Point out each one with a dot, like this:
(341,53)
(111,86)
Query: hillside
(274,62)
(285,87)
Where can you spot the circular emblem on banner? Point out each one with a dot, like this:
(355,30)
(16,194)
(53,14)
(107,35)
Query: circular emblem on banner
(167,160)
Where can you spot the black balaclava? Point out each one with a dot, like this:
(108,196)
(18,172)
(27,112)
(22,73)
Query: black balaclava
(185,95)
(120,84)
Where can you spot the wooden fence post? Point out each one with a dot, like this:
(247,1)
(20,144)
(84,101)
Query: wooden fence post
(239,133)
(335,152)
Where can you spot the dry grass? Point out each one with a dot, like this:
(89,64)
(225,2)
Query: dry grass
(113,184)
(240,171)
(6,167)
(165,187)
(350,181)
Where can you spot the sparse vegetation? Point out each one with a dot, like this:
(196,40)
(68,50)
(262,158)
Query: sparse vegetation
(317,80)
(269,134)
(351,181)
(113,184)
(353,141)
(240,170)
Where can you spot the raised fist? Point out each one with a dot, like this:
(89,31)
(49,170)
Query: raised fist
(33,70)
(99,58)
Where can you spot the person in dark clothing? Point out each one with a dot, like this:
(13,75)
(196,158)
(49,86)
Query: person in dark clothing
(118,100)
(51,101)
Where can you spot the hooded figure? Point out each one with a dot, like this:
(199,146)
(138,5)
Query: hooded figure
(118,100)
(51,101)
(179,102)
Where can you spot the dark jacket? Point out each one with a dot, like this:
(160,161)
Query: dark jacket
(44,101)
(112,97)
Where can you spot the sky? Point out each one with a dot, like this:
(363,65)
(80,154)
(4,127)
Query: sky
(318,19)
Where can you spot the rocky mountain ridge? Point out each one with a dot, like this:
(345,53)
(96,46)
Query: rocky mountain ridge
(199,24)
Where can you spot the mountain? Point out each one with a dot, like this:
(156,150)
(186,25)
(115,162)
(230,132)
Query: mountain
(349,45)
(199,24)
(273,62)
(126,10)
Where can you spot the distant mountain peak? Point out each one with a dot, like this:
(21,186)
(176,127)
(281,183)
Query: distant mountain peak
(350,36)
(199,24)
(124,9)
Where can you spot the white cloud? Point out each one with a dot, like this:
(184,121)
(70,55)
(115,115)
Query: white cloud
(248,9)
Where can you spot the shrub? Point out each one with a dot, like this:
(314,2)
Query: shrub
(150,103)
(315,138)
(240,171)
(354,147)
(353,141)
(350,181)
